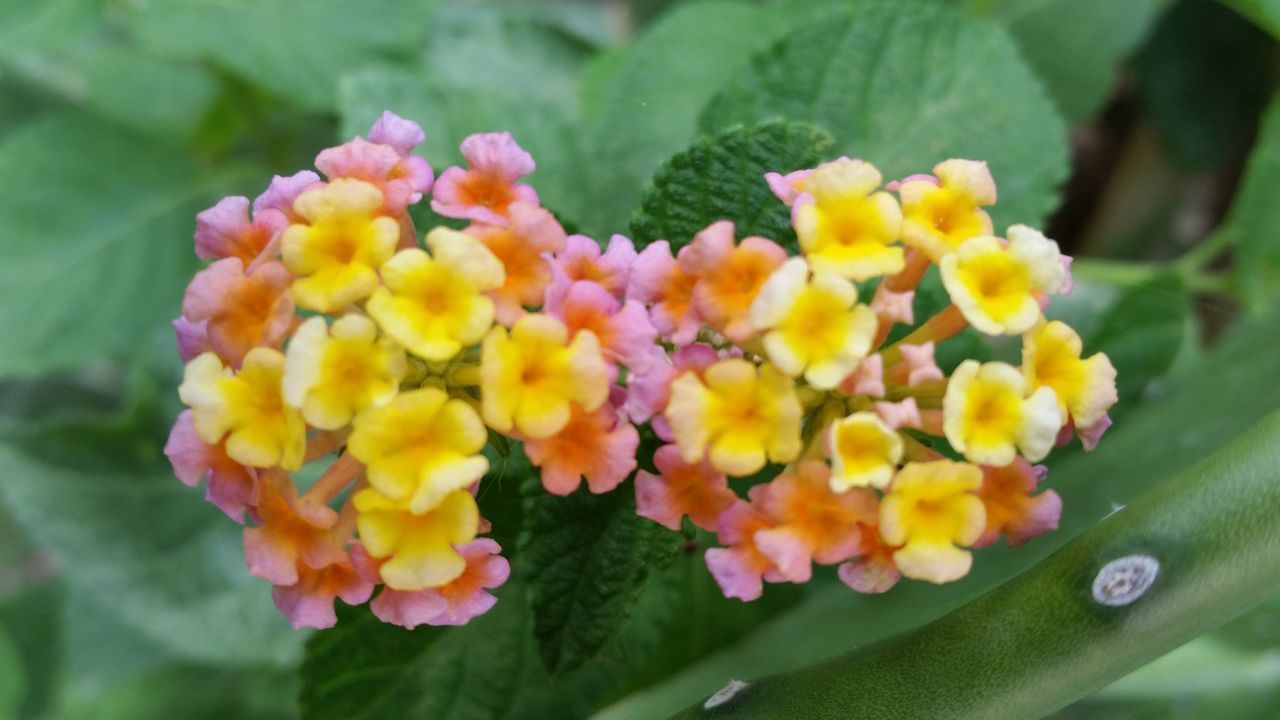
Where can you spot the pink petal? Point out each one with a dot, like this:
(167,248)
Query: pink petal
(220,228)
(1090,436)
(401,134)
(283,191)
(735,573)
(868,577)
(498,153)
(408,609)
(193,338)
(787,552)
(902,414)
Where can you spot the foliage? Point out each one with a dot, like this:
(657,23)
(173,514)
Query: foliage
(122,595)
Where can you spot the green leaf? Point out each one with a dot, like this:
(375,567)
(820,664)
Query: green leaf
(589,557)
(92,262)
(1043,638)
(166,98)
(13,676)
(1189,81)
(295,49)
(905,85)
(98,494)
(1226,392)
(1253,223)
(529,89)
(645,109)
(722,177)
(1142,333)
(33,616)
(486,670)
(1265,13)
(1051,33)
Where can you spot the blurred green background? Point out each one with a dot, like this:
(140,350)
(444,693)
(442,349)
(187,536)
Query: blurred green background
(1140,133)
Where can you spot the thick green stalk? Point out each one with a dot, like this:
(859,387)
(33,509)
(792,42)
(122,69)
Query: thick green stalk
(1042,640)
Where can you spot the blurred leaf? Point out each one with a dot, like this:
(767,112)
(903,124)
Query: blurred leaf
(1253,223)
(1052,33)
(200,692)
(1204,77)
(1265,13)
(100,496)
(151,95)
(296,49)
(722,177)
(1231,389)
(13,676)
(95,232)
(1142,333)
(589,557)
(645,108)
(1043,639)
(33,616)
(31,28)
(1202,666)
(908,84)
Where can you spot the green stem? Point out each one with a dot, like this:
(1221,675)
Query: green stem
(1042,640)
(1129,273)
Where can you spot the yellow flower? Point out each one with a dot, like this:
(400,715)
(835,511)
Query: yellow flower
(420,546)
(864,451)
(435,305)
(995,286)
(844,226)
(528,379)
(941,213)
(333,375)
(736,414)
(246,408)
(1086,388)
(420,447)
(931,511)
(988,417)
(814,326)
(336,255)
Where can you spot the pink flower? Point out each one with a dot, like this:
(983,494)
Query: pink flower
(193,338)
(290,532)
(240,311)
(810,521)
(681,488)
(401,179)
(400,134)
(729,276)
(787,187)
(649,392)
(1011,508)
(626,336)
(455,603)
(596,445)
(868,379)
(485,191)
(904,413)
(917,365)
(232,487)
(659,281)
(279,196)
(225,231)
(308,603)
(581,260)
(892,306)
(739,568)
(873,571)
(523,245)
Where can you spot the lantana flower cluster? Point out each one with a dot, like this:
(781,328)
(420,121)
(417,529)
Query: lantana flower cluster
(326,339)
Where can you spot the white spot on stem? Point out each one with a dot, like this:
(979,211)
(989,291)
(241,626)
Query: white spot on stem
(1123,580)
(724,694)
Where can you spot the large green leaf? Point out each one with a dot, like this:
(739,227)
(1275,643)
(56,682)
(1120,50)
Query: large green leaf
(145,93)
(1046,637)
(1253,224)
(95,232)
(907,84)
(722,178)
(1266,13)
(100,496)
(13,676)
(1051,34)
(1208,405)
(1142,333)
(296,49)
(588,557)
(645,108)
